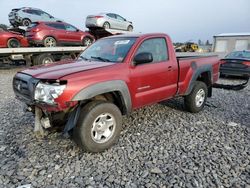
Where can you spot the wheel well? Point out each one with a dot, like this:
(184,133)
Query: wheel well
(26,19)
(206,78)
(113,97)
(10,39)
(49,36)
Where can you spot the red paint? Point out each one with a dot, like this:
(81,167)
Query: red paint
(162,78)
(38,33)
(5,36)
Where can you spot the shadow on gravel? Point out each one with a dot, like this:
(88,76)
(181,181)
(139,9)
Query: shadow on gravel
(177,104)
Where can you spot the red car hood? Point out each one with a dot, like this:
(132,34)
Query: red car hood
(63,68)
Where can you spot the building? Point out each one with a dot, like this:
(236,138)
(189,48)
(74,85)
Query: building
(228,42)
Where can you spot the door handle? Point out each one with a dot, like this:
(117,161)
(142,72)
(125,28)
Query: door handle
(169,68)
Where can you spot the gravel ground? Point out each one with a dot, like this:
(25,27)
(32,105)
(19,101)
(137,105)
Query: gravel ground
(160,146)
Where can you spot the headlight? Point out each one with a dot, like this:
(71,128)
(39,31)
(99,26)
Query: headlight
(48,92)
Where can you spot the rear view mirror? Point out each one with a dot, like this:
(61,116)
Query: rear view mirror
(144,57)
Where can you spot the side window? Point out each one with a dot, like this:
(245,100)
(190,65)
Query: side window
(70,28)
(29,11)
(36,12)
(56,26)
(157,47)
(120,18)
(111,15)
(45,14)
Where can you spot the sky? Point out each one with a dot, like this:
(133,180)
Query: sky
(183,20)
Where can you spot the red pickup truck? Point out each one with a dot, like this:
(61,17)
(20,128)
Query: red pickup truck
(115,75)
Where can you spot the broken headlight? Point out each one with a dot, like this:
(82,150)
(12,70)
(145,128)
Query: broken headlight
(45,92)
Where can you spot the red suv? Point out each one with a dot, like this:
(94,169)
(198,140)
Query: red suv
(51,34)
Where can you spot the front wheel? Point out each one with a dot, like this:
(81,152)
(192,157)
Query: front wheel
(98,127)
(130,28)
(196,100)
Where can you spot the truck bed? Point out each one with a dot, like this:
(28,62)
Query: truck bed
(185,73)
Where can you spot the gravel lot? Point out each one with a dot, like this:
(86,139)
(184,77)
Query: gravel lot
(160,146)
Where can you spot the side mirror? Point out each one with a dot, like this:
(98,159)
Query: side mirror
(77,30)
(142,58)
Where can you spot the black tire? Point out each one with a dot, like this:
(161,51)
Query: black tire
(43,59)
(13,43)
(26,22)
(130,28)
(66,57)
(49,42)
(106,25)
(191,101)
(87,41)
(83,133)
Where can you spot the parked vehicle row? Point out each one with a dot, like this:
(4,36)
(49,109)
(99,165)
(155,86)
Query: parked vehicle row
(48,31)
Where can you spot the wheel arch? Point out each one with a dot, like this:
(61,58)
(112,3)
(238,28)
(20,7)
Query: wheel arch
(203,74)
(7,40)
(50,36)
(115,91)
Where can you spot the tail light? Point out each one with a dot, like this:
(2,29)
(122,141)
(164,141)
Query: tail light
(96,17)
(247,63)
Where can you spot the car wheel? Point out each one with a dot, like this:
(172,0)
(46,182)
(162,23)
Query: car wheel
(26,22)
(87,41)
(13,43)
(196,100)
(130,28)
(49,42)
(43,59)
(106,25)
(98,127)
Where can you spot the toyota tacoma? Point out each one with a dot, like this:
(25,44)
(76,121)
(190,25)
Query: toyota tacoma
(87,97)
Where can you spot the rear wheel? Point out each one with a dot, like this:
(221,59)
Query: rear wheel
(49,42)
(130,28)
(98,127)
(196,100)
(87,41)
(26,22)
(13,43)
(106,25)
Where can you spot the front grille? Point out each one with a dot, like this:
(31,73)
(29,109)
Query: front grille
(23,86)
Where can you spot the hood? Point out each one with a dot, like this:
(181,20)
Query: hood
(63,68)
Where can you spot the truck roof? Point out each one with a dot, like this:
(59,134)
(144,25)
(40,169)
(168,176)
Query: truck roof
(139,35)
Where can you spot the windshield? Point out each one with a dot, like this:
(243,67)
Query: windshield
(109,49)
(239,54)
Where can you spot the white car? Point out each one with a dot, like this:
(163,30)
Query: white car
(26,15)
(108,21)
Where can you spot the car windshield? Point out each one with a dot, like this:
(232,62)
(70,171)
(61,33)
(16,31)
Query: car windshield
(239,54)
(109,49)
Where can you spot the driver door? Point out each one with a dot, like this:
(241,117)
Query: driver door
(154,81)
